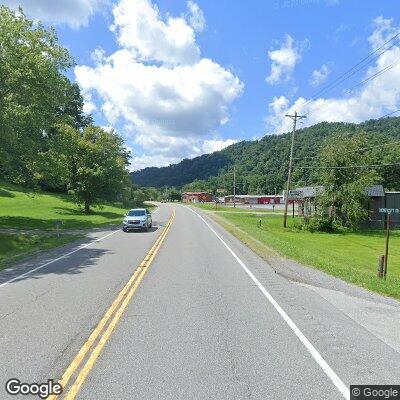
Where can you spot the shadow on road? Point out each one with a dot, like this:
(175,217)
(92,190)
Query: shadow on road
(152,229)
(71,264)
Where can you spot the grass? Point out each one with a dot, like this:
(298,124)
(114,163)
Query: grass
(14,247)
(352,257)
(238,208)
(26,209)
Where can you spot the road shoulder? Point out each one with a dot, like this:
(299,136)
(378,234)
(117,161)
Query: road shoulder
(380,315)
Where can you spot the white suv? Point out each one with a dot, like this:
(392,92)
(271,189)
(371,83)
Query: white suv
(137,218)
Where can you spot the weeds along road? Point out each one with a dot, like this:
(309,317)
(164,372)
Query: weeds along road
(184,311)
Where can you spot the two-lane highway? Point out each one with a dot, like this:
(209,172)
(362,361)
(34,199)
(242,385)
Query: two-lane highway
(208,320)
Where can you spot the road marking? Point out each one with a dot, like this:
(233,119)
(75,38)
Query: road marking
(127,292)
(61,257)
(343,389)
(56,259)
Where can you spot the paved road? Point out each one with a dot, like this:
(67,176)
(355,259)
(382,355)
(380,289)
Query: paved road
(209,320)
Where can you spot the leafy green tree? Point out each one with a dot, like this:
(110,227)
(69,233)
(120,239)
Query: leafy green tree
(71,112)
(340,170)
(32,89)
(92,164)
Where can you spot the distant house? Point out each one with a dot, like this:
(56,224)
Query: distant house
(197,197)
(376,200)
(255,199)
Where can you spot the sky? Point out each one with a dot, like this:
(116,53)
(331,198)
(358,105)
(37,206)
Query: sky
(180,78)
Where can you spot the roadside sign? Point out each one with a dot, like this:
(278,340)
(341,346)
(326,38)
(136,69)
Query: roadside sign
(389,210)
(221,190)
(295,194)
(305,192)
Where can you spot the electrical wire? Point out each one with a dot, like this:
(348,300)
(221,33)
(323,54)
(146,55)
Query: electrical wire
(350,72)
(394,143)
(351,166)
(370,78)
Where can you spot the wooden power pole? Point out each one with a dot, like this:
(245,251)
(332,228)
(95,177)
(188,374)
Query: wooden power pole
(294,117)
(234,186)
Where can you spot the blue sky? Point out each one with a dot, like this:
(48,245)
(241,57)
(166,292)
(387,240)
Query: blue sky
(179,78)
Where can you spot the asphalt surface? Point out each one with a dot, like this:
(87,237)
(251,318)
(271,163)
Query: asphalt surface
(198,327)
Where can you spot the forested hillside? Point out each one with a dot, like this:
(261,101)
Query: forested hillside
(262,165)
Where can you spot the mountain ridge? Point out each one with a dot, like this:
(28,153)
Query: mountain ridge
(264,160)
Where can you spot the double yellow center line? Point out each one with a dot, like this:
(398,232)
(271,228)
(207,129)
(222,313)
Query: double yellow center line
(116,310)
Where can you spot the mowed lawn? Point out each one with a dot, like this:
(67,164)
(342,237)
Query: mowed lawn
(27,209)
(350,256)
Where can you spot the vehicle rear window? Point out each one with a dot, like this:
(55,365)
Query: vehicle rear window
(136,213)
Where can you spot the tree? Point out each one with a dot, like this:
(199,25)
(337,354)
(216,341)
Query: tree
(32,89)
(92,164)
(345,201)
(71,112)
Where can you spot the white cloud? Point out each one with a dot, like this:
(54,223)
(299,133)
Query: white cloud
(211,145)
(88,105)
(141,30)
(192,148)
(196,17)
(373,99)
(284,60)
(319,76)
(75,13)
(156,84)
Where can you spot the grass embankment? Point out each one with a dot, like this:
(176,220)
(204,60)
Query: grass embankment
(24,209)
(27,209)
(238,209)
(352,257)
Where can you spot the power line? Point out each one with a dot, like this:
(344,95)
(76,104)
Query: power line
(397,142)
(351,166)
(380,72)
(341,78)
(386,115)
(347,74)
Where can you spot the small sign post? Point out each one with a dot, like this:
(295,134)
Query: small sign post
(58,224)
(388,212)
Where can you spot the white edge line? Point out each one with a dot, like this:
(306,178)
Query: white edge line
(61,257)
(343,389)
(57,259)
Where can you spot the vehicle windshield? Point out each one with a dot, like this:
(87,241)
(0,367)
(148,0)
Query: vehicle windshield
(136,213)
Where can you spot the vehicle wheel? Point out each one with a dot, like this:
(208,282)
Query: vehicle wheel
(125,230)
(147,228)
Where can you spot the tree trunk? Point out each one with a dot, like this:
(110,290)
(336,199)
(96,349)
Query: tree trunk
(87,207)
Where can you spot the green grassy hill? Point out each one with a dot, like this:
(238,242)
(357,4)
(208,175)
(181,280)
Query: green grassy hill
(27,221)
(27,209)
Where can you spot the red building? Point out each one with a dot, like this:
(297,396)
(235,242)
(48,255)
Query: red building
(197,197)
(270,199)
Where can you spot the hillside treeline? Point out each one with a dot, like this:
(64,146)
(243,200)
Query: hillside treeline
(262,165)
(46,140)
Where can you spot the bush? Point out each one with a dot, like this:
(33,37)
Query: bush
(318,224)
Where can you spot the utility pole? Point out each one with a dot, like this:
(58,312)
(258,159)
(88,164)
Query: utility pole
(234,186)
(387,245)
(294,117)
